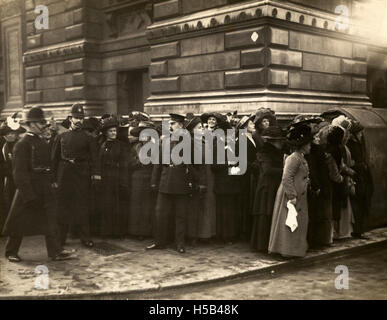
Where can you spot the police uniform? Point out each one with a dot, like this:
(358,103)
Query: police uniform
(75,161)
(33,209)
(174,189)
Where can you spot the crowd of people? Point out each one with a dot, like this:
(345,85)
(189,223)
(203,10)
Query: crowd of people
(85,176)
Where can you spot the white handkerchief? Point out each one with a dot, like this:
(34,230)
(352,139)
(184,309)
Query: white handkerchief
(291,220)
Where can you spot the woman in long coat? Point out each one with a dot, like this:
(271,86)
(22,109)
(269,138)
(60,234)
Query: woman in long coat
(142,198)
(207,217)
(320,195)
(293,188)
(113,189)
(227,190)
(270,158)
(249,179)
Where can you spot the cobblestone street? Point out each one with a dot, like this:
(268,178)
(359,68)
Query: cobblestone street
(123,268)
(367,280)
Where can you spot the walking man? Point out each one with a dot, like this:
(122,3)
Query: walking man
(33,210)
(75,162)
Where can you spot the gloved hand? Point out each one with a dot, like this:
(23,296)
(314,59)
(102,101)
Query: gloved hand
(202,189)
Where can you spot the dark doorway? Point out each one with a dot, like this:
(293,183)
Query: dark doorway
(133,90)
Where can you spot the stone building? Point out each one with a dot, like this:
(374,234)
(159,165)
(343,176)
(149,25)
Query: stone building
(190,56)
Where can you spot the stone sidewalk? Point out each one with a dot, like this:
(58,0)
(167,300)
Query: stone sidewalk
(123,266)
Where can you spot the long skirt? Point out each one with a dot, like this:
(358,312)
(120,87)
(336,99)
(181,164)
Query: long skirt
(344,227)
(207,216)
(227,216)
(260,232)
(282,239)
(142,204)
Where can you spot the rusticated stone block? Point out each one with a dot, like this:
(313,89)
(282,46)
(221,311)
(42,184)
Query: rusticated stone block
(158,69)
(166,9)
(51,82)
(359,51)
(359,85)
(30,84)
(49,69)
(318,44)
(72,4)
(79,79)
(190,6)
(319,63)
(253,58)
(52,95)
(54,36)
(32,72)
(34,41)
(353,67)
(245,38)
(319,82)
(29,5)
(246,78)
(300,80)
(165,85)
(278,78)
(75,32)
(286,58)
(74,65)
(162,51)
(74,93)
(278,37)
(34,96)
(204,63)
(203,82)
(202,45)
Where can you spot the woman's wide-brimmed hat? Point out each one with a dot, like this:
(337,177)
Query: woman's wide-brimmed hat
(274,133)
(92,124)
(242,123)
(303,119)
(216,115)
(108,123)
(191,123)
(267,113)
(135,132)
(300,135)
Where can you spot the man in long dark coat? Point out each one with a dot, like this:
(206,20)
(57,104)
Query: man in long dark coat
(75,163)
(175,186)
(33,209)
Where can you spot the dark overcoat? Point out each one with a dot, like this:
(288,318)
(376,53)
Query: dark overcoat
(319,198)
(33,178)
(114,174)
(271,166)
(142,197)
(75,160)
(227,189)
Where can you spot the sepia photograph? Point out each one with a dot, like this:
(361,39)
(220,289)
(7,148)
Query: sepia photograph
(193,156)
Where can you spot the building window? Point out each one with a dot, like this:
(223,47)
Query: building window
(133,90)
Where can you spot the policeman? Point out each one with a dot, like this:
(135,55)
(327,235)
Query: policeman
(33,209)
(75,162)
(174,184)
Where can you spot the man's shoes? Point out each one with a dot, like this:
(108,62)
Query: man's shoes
(88,243)
(154,246)
(63,255)
(359,236)
(180,249)
(14,258)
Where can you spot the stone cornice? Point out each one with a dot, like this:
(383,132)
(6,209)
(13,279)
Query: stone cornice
(58,51)
(237,15)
